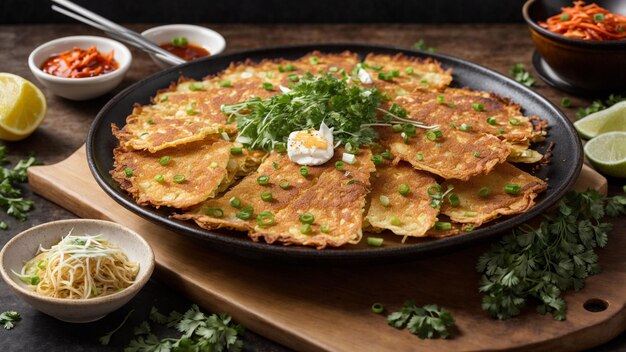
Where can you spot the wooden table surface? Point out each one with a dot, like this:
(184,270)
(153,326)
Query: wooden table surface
(65,128)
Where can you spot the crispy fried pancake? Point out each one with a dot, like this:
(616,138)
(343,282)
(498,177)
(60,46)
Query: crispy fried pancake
(521,153)
(456,107)
(426,74)
(316,61)
(413,209)
(457,154)
(204,166)
(278,167)
(336,200)
(477,210)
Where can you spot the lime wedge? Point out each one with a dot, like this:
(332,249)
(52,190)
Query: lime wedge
(607,153)
(607,120)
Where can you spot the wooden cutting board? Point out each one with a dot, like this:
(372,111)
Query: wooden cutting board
(328,307)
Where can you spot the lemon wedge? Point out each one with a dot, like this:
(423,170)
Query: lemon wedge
(22,107)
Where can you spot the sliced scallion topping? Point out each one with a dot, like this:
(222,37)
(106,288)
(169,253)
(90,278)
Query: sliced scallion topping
(441,99)
(164,160)
(267,196)
(213,165)
(565,17)
(375,241)
(226,83)
(304,171)
(377,307)
(265,218)
(159,178)
(235,202)
(214,212)
(395,221)
(492,120)
(179,41)
(306,218)
(598,17)
(478,107)
(236,150)
(245,213)
(514,121)
(314,60)
(339,165)
(434,135)
(128,172)
(403,189)
(512,188)
(386,155)
(189,108)
(396,128)
(306,229)
(420,156)
(196,86)
(465,127)
(409,70)
(566,102)
(377,159)
(454,200)
(443,226)
(384,200)
(324,228)
(395,73)
(150,121)
(263,180)
(179,178)
(267,86)
(284,184)
(476,155)
(484,192)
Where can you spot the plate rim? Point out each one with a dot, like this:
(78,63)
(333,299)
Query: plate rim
(264,250)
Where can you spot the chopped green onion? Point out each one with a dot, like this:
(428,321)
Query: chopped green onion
(236,150)
(476,154)
(304,171)
(289,67)
(377,159)
(501,131)
(492,120)
(314,60)
(324,228)
(420,157)
(214,212)
(470,214)
(128,172)
(565,102)
(294,77)
(385,96)
(267,86)
(275,165)
(434,135)
(512,188)
(565,17)
(179,178)
(190,110)
(196,86)
(377,308)
(443,226)
(434,189)
(514,121)
(284,184)
(384,200)
(484,192)
(396,128)
(478,107)
(465,127)
(352,149)
(386,155)
(454,200)
(235,202)
(305,229)
(213,165)
(226,83)
(245,213)
(385,76)
(403,189)
(440,99)
(452,105)
(267,196)
(306,218)
(351,182)
(164,98)
(598,17)
(339,165)
(150,121)
(269,75)
(263,180)
(375,241)
(409,70)
(159,178)
(179,41)
(265,218)
(395,73)
(395,221)
(164,160)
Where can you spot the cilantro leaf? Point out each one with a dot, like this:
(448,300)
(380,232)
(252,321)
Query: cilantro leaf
(10,195)
(9,317)
(539,263)
(426,322)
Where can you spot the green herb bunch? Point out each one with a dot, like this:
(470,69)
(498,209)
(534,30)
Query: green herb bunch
(201,333)
(539,263)
(426,322)
(11,200)
(519,73)
(266,124)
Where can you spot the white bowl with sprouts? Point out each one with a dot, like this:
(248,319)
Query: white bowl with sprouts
(45,266)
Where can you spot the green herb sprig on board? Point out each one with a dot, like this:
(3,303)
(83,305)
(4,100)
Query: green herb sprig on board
(11,200)
(536,264)
(349,109)
(426,322)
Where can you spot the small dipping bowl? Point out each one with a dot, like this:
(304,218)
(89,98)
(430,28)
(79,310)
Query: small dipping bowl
(203,37)
(23,247)
(80,88)
(593,65)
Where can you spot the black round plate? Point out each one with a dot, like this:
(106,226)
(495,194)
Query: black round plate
(561,173)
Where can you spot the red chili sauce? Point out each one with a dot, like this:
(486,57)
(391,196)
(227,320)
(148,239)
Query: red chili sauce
(185,50)
(79,63)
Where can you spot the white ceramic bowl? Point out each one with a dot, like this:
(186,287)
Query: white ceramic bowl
(200,36)
(80,88)
(23,247)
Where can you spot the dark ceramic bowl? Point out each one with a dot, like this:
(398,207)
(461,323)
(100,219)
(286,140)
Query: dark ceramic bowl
(588,64)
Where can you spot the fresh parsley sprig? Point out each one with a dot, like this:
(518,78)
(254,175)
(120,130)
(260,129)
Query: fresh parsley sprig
(11,200)
(519,73)
(538,263)
(426,322)
(201,332)
(9,318)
